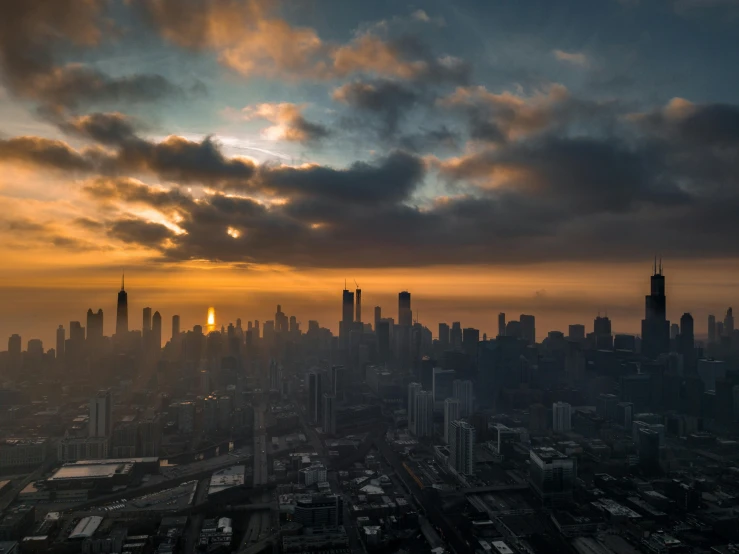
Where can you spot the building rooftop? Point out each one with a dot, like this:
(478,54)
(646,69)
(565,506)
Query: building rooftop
(547,453)
(86,527)
(227,478)
(94,471)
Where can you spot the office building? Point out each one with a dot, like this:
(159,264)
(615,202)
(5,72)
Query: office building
(462,448)
(561,417)
(528,328)
(329,413)
(470,342)
(655,327)
(121,321)
(624,414)
(60,342)
(94,328)
(729,323)
(451,414)
(648,444)
(315,394)
(501,324)
(576,332)
(358,311)
(176,328)
(552,475)
(455,335)
(378,316)
(463,391)
(443,385)
(443,336)
(423,414)
(319,511)
(383,340)
(156,332)
(711,329)
(146,324)
(101,419)
(405,315)
(347,317)
(413,390)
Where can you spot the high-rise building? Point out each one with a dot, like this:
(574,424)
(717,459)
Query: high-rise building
(443,384)
(655,327)
(338,381)
(358,311)
(146,323)
(378,316)
(711,329)
(462,447)
(455,335)
(315,395)
(561,417)
(552,475)
(686,342)
(94,327)
(329,413)
(463,391)
(501,324)
(156,332)
(470,342)
(413,390)
(275,375)
(101,420)
(451,414)
(603,333)
(347,317)
(577,332)
(60,339)
(424,414)
(444,335)
(319,511)
(121,321)
(648,444)
(176,327)
(729,323)
(405,315)
(528,328)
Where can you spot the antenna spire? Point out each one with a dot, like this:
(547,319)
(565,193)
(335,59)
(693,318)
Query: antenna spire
(660,265)
(123,280)
(655,264)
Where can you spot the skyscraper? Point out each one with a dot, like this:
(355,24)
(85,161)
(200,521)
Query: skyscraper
(462,447)
(577,332)
(451,414)
(711,329)
(347,317)
(552,475)
(561,417)
(686,341)
(121,320)
(146,324)
(462,391)
(729,323)
(358,311)
(655,327)
(315,396)
(443,335)
(455,335)
(501,324)
(60,340)
(329,413)
(528,328)
(424,414)
(405,315)
(101,421)
(156,332)
(378,316)
(413,390)
(94,327)
(176,327)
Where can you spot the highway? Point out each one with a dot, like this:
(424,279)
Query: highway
(261,475)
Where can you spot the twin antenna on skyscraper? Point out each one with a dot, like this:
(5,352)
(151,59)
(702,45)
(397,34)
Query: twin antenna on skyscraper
(655,265)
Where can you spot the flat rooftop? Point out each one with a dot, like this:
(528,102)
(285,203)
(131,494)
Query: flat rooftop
(93,471)
(227,478)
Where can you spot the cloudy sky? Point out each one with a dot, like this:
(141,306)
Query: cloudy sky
(517,155)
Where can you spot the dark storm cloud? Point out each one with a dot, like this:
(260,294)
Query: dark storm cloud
(36,35)
(137,231)
(45,153)
(390,100)
(392,179)
(106,128)
(703,124)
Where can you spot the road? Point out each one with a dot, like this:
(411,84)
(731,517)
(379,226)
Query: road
(425,500)
(261,475)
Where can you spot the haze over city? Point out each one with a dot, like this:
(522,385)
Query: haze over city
(368,277)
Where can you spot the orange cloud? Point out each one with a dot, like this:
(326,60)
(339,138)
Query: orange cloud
(288,122)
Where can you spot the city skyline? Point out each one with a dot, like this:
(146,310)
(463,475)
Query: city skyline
(447,314)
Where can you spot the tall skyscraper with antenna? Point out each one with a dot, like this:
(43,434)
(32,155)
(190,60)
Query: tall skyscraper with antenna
(121,322)
(655,327)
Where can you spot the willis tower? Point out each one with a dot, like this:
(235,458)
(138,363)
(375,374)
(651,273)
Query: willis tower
(655,328)
(121,322)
